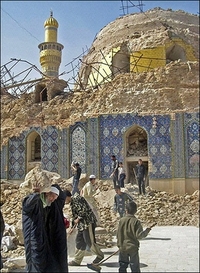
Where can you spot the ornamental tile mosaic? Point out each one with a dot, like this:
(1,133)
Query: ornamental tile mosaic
(178,147)
(115,127)
(92,144)
(173,146)
(49,138)
(64,160)
(191,124)
(4,168)
(16,158)
(78,145)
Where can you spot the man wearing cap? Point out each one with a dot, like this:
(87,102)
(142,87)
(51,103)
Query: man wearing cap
(39,257)
(88,192)
(56,231)
(85,220)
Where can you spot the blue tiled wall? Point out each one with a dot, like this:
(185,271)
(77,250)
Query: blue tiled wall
(179,148)
(92,142)
(191,125)
(16,157)
(112,128)
(4,159)
(64,153)
(49,154)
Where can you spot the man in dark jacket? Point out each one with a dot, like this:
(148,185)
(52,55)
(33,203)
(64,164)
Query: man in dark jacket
(140,173)
(56,231)
(114,167)
(76,169)
(39,256)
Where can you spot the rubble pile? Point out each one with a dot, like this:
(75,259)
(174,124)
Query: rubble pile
(160,207)
(153,92)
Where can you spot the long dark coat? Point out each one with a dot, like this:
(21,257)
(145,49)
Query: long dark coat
(44,234)
(38,253)
(56,231)
(1,236)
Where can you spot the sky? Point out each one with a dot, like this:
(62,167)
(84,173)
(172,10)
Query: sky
(22,27)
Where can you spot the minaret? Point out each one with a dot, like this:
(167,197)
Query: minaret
(50,50)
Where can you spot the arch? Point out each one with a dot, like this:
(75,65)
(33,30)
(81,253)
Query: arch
(40,93)
(86,73)
(135,147)
(175,52)
(33,150)
(78,146)
(121,61)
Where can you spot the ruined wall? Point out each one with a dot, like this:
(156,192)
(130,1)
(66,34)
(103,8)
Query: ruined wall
(173,149)
(87,125)
(151,39)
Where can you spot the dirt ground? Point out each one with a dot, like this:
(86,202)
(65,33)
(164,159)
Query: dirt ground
(160,207)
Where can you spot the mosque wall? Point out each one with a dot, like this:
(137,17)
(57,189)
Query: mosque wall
(173,148)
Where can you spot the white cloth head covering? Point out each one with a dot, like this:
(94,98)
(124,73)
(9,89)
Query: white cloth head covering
(92,176)
(54,190)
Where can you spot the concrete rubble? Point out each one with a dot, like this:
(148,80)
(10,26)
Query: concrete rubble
(153,92)
(160,207)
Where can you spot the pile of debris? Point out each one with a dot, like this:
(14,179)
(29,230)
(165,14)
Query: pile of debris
(156,91)
(161,207)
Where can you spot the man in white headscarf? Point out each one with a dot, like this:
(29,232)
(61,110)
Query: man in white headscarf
(88,192)
(39,256)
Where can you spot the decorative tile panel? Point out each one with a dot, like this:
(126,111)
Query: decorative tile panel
(92,144)
(4,156)
(191,123)
(49,151)
(16,158)
(178,147)
(78,144)
(112,128)
(64,160)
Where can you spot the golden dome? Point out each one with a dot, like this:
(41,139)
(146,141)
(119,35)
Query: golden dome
(51,21)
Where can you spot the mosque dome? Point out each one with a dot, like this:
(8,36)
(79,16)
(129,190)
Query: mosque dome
(51,21)
(139,42)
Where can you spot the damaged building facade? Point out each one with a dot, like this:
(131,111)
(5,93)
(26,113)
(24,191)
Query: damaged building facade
(165,137)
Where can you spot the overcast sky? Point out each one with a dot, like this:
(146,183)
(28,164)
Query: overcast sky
(22,25)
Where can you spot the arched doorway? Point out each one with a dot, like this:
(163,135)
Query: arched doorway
(136,148)
(33,144)
(175,52)
(40,93)
(121,61)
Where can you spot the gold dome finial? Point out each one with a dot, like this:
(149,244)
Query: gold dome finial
(51,21)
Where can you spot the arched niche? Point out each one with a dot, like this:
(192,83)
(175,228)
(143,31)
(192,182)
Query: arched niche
(121,61)
(33,144)
(135,147)
(175,52)
(78,146)
(40,93)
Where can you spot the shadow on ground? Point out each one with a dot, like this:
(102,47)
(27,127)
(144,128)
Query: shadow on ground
(111,264)
(155,238)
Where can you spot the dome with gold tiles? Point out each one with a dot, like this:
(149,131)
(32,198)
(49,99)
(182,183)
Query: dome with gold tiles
(51,21)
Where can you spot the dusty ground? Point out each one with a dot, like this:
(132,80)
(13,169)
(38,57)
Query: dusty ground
(160,207)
